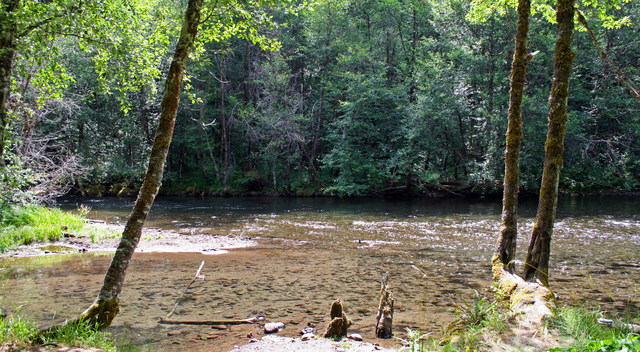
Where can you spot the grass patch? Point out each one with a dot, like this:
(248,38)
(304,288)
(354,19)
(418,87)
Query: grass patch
(478,320)
(26,225)
(21,334)
(579,327)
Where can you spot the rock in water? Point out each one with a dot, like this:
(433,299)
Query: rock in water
(339,322)
(272,328)
(384,318)
(307,337)
(308,330)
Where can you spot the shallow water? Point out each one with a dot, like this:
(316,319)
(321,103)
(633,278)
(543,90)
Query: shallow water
(312,251)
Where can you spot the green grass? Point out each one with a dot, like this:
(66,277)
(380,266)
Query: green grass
(26,225)
(477,319)
(21,333)
(579,326)
(480,320)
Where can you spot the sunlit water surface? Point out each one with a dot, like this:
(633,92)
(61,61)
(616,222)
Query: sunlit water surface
(313,251)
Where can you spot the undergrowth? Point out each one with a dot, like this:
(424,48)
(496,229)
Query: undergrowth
(481,320)
(29,224)
(581,326)
(476,320)
(20,334)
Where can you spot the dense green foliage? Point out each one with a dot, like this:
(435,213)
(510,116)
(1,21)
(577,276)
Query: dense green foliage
(581,325)
(19,334)
(25,225)
(363,97)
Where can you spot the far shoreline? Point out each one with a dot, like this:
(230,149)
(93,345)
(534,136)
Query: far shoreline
(153,240)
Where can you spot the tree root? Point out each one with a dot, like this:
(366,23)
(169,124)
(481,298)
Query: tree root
(531,302)
(100,314)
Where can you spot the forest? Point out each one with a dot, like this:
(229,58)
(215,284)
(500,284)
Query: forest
(344,98)
(335,98)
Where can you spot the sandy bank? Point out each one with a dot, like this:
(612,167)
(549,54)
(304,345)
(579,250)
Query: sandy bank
(152,240)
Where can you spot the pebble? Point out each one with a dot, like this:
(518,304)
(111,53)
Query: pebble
(307,337)
(271,328)
(308,330)
(356,337)
(173,332)
(253,341)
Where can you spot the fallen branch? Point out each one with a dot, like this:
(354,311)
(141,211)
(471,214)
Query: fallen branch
(185,290)
(605,58)
(253,320)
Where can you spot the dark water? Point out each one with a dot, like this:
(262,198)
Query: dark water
(312,251)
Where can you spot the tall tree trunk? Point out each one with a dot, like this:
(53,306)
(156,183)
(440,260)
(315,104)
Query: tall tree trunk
(537,261)
(508,233)
(106,305)
(225,128)
(7,52)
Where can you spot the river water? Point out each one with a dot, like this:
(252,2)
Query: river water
(312,251)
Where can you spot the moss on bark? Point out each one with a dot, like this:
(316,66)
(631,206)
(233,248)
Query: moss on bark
(537,260)
(107,305)
(508,234)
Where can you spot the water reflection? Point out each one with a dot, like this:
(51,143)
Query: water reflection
(313,251)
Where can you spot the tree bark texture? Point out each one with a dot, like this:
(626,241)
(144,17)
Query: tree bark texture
(506,251)
(8,34)
(537,260)
(106,305)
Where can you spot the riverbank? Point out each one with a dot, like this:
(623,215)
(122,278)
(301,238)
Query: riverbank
(152,240)
(433,191)
(312,251)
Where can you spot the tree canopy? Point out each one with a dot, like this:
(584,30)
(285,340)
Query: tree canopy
(360,97)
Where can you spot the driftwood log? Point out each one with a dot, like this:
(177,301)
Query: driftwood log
(384,318)
(253,320)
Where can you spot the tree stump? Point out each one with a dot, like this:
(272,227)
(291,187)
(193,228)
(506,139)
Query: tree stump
(339,322)
(384,318)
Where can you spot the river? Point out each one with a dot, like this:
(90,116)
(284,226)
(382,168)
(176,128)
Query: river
(312,251)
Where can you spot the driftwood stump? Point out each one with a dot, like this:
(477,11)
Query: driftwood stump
(339,322)
(384,318)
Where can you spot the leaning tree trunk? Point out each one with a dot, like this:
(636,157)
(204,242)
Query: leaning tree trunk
(537,261)
(7,52)
(506,251)
(106,306)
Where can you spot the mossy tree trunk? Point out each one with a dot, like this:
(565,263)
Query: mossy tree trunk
(7,52)
(508,233)
(106,306)
(537,260)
